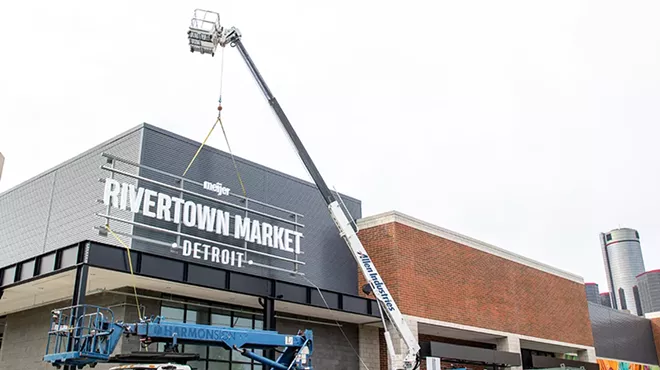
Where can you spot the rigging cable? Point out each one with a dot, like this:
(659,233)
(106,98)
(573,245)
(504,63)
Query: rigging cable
(337,322)
(224,133)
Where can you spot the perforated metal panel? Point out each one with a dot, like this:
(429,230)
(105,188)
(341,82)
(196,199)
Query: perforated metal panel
(621,335)
(56,208)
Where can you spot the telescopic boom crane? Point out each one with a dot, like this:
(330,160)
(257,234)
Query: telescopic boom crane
(205,35)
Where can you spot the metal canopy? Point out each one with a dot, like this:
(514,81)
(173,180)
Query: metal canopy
(543,362)
(470,355)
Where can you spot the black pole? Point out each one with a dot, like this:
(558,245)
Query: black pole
(78,298)
(268,305)
(297,143)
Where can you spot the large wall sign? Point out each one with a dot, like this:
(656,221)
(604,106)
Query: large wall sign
(201,220)
(179,210)
(279,230)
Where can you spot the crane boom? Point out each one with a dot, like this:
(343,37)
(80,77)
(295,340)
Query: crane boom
(390,313)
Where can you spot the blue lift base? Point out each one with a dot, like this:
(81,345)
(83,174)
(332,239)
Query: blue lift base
(85,335)
(76,359)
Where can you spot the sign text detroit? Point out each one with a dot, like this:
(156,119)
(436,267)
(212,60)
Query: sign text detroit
(177,210)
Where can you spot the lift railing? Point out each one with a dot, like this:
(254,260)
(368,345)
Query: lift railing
(82,334)
(204,32)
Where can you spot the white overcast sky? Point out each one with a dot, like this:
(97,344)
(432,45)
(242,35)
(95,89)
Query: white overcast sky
(526,124)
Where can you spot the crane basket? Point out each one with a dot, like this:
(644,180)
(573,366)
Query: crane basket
(204,32)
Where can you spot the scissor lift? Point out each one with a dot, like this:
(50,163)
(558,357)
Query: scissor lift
(86,335)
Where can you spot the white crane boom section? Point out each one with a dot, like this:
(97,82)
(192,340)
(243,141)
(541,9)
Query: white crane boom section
(387,305)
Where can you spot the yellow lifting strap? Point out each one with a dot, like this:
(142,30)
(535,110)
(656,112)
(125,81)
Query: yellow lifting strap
(201,146)
(238,174)
(224,133)
(130,266)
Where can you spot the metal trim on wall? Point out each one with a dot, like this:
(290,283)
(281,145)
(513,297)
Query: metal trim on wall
(472,355)
(543,362)
(41,269)
(115,259)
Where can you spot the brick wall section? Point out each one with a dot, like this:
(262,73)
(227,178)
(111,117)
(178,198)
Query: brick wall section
(379,243)
(436,278)
(382,350)
(655,325)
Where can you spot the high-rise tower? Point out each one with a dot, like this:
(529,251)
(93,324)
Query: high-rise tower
(593,295)
(622,256)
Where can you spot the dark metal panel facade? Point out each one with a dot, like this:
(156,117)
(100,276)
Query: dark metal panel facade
(623,336)
(290,292)
(328,261)
(207,276)
(58,208)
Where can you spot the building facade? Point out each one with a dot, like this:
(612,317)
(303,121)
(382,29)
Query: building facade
(183,264)
(196,249)
(622,257)
(648,286)
(463,293)
(593,294)
(605,299)
(621,336)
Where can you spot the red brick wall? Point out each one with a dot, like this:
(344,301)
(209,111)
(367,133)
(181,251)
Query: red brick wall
(655,325)
(436,278)
(382,347)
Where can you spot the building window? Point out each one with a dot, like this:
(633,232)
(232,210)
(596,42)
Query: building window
(622,298)
(605,300)
(638,301)
(213,357)
(636,235)
(608,237)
